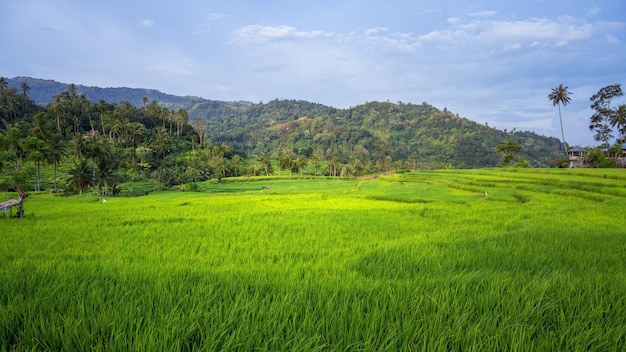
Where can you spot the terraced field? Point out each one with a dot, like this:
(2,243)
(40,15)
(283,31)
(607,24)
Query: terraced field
(404,262)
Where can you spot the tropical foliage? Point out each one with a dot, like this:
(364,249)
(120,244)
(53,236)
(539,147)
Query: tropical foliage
(50,147)
(606,117)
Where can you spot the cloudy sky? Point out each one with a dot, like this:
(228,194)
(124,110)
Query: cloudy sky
(492,61)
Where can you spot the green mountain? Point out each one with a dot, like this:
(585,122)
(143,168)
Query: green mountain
(367,135)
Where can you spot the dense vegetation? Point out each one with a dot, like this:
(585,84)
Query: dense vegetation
(406,262)
(97,144)
(371,135)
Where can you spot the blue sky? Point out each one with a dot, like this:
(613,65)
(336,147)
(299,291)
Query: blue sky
(493,62)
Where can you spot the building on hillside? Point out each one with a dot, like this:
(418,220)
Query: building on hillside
(576,156)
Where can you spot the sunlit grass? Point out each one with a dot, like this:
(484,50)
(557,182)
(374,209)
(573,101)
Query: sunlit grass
(418,261)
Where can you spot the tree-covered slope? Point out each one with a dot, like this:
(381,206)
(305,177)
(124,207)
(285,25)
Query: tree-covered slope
(372,132)
(375,132)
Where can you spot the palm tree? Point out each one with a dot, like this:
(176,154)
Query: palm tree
(38,151)
(25,88)
(78,144)
(332,167)
(57,153)
(302,162)
(81,176)
(105,176)
(181,118)
(266,161)
(102,107)
(220,166)
(235,163)
(58,108)
(40,125)
(315,161)
(4,83)
(619,119)
(560,96)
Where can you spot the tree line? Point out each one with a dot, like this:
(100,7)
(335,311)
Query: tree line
(100,145)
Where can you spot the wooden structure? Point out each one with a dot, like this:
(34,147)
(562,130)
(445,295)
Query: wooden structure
(9,204)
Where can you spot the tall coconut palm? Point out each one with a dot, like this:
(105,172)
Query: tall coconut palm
(266,161)
(57,153)
(81,176)
(235,163)
(619,119)
(25,88)
(102,107)
(37,152)
(560,96)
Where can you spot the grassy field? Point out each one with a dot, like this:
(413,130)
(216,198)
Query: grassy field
(415,261)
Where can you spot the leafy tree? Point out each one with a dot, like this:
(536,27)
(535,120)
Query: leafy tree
(560,96)
(508,152)
(604,115)
(199,126)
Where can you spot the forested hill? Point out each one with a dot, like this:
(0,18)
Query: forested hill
(421,136)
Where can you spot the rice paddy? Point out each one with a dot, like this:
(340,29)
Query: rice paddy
(415,261)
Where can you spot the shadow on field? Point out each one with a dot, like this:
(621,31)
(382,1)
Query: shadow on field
(513,253)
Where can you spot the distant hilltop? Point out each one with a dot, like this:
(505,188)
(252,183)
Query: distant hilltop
(43,91)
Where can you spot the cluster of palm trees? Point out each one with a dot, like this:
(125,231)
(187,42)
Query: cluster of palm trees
(102,138)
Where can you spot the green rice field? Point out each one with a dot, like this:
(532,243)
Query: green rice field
(421,261)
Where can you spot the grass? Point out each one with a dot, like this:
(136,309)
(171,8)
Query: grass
(416,261)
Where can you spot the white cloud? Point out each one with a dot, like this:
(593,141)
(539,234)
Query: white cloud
(260,34)
(376,30)
(482,14)
(611,39)
(147,23)
(397,41)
